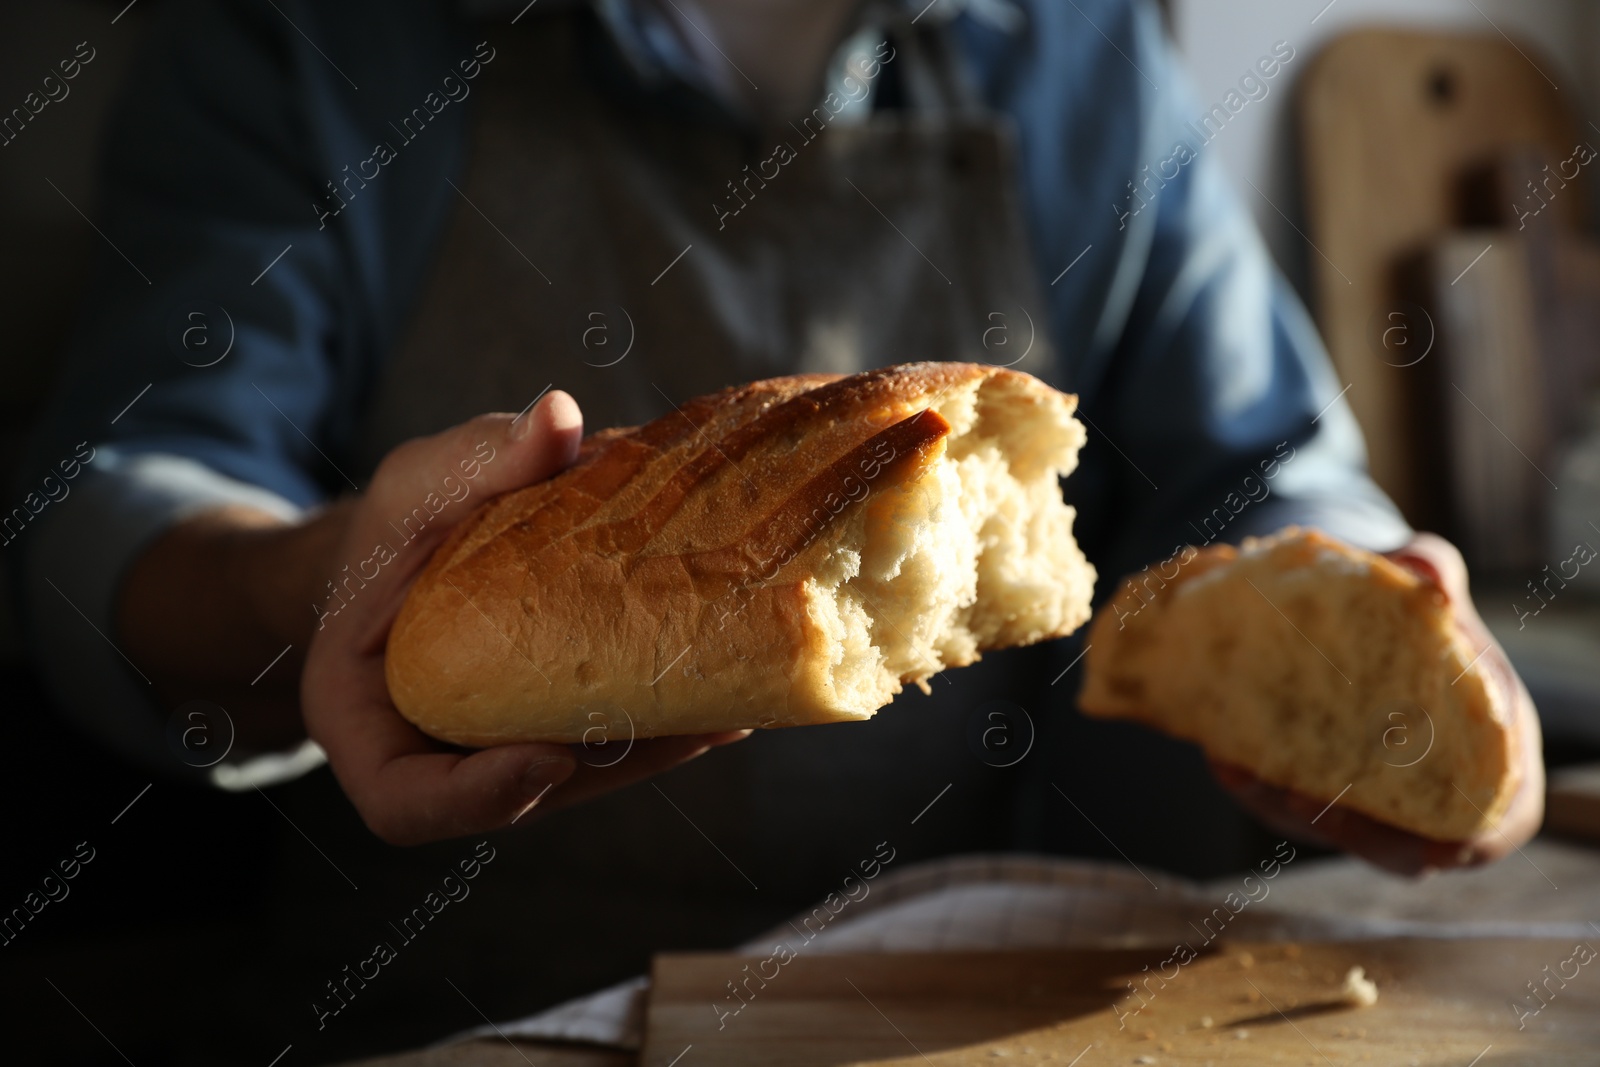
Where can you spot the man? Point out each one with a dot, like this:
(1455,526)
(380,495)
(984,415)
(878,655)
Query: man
(385,220)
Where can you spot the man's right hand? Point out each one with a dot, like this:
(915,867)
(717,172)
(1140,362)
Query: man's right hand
(222,593)
(408,787)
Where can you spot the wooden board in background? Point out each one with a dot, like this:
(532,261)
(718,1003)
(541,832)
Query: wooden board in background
(1487,381)
(1391,122)
(1441,1002)
(1514,371)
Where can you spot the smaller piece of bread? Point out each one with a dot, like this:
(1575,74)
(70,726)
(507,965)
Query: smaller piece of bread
(1319,668)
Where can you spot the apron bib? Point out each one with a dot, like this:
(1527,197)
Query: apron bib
(596,244)
(596,247)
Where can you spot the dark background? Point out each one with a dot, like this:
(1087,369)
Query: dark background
(208,921)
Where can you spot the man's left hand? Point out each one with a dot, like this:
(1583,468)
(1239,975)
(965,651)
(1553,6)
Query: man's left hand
(1395,850)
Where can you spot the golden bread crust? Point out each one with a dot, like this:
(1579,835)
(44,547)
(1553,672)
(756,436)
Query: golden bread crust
(664,583)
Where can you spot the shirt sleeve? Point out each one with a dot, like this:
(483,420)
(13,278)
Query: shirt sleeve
(1212,408)
(1222,415)
(118,503)
(214,351)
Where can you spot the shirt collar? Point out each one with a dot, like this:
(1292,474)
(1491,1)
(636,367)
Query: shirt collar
(654,49)
(1005,16)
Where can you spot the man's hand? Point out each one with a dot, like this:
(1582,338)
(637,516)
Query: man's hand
(408,787)
(1396,850)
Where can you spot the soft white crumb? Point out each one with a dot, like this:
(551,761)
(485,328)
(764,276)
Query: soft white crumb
(1359,990)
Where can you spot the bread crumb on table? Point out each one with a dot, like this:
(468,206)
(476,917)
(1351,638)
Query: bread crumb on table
(1359,990)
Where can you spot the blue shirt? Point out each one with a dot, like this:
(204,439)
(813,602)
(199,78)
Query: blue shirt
(1212,409)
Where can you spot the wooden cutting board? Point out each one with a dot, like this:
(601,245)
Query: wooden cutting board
(1441,1002)
(1391,124)
(1517,317)
(1487,391)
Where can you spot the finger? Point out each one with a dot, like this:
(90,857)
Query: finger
(1268,804)
(431,796)
(425,488)
(644,759)
(1232,777)
(1430,553)
(407,786)
(1421,566)
(495,453)
(539,442)
(1438,553)
(1381,845)
(1526,812)
(1315,821)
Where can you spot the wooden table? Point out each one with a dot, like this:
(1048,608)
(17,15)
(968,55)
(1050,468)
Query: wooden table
(1440,1002)
(507,1054)
(1517,889)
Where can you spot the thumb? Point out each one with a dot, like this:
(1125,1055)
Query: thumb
(429,796)
(1437,561)
(480,458)
(427,486)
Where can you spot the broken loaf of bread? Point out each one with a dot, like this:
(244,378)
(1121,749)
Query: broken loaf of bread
(782,553)
(1319,668)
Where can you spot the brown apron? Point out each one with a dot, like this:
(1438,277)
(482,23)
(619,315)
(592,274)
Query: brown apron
(883,242)
(588,250)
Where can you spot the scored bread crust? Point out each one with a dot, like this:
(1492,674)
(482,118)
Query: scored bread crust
(1319,668)
(676,579)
